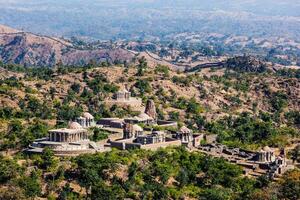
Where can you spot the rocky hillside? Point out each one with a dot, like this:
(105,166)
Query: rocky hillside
(218,91)
(34,50)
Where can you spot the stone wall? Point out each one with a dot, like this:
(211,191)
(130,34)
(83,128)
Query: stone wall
(163,123)
(135,103)
(111,122)
(129,144)
(133,146)
(115,136)
(118,145)
(125,144)
(175,143)
(210,138)
(197,140)
(111,137)
(73,152)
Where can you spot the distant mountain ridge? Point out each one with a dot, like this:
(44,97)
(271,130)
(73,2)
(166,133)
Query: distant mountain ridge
(143,19)
(29,49)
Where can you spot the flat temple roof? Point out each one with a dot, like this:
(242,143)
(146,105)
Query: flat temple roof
(69,131)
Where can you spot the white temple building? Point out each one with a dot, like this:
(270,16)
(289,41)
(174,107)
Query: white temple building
(266,155)
(123,98)
(142,118)
(73,140)
(123,95)
(86,120)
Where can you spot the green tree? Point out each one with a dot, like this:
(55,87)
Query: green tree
(37,129)
(200,121)
(49,162)
(31,185)
(9,169)
(12,193)
(164,70)
(295,153)
(173,115)
(279,101)
(76,87)
(142,66)
(290,186)
(216,193)
(67,193)
(194,107)
(102,191)
(143,85)
(99,135)
(52,92)
(67,112)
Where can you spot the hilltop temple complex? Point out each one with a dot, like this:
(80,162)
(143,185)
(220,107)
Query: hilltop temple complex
(141,132)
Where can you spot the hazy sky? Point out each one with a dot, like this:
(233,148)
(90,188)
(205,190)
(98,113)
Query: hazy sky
(118,18)
(271,7)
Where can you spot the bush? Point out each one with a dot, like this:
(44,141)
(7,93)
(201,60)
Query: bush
(293,117)
(67,113)
(75,87)
(142,66)
(31,185)
(143,85)
(161,69)
(186,81)
(100,84)
(9,169)
(193,107)
(290,187)
(99,134)
(279,101)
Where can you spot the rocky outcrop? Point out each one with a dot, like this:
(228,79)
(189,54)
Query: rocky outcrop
(246,64)
(150,109)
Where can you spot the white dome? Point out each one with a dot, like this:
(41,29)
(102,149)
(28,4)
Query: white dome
(74,125)
(266,148)
(184,129)
(144,116)
(158,133)
(88,115)
(124,90)
(137,128)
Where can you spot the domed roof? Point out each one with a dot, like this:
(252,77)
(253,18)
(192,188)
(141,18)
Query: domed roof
(136,127)
(158,133)
(74,125)
(88,115)
(124,90)
(144,116)
(184,129)
(266,148)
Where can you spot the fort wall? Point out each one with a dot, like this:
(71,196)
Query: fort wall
(175,143)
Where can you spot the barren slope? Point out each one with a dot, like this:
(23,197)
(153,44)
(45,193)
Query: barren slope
(34,50)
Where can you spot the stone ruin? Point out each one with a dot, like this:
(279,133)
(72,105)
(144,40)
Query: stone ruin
(123,98)
(263,162)
(131,131)
(135,138)
(150,109)
(86,120)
